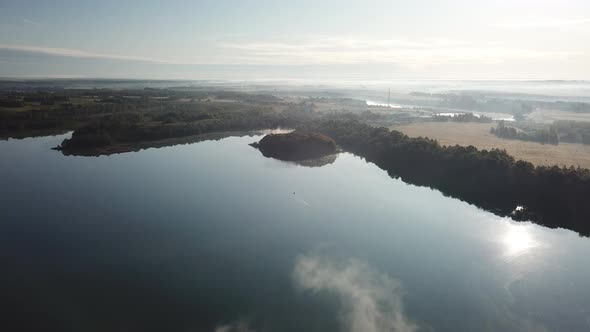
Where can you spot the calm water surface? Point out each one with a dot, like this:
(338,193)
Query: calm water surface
(212,236)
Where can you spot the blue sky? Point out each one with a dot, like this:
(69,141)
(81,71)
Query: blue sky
(296,39)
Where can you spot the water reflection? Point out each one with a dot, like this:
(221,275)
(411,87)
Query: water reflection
(518,240)
(318,162)
(210,236)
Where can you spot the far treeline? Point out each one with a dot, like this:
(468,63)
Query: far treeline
(518,105)
(39,113)
(463,117)
(543,136)
(559,131)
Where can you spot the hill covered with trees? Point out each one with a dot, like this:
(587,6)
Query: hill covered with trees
(296,145)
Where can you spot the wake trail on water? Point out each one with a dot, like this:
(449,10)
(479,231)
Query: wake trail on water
(300,200)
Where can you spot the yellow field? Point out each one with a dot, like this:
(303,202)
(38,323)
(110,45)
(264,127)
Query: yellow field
(478,135)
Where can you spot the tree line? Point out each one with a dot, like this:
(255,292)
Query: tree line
(543,135)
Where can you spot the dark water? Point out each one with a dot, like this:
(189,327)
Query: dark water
(214,237)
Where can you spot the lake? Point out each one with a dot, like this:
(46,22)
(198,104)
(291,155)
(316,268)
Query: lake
(212,236)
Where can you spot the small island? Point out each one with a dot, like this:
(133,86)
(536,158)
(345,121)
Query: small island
(296,146)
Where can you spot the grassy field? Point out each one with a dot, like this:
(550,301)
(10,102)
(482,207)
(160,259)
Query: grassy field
(478,135)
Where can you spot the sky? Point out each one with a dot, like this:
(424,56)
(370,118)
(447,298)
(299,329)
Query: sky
(346,39)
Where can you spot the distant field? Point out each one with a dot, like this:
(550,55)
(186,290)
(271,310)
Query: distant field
(478,135)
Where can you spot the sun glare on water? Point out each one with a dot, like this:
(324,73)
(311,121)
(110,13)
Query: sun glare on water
(518,240)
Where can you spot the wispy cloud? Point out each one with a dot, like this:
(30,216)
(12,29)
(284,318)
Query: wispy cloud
(74,53)
(403,52)
(413,54)
(31,22)
(372,301)
(542,23)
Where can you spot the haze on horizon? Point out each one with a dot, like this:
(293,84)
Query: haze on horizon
(346,39)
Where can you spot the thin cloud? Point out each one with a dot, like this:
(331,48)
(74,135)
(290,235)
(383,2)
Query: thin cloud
(74,53)
(543,23)
(333,51)
(356,51)
(371,301)
(31,22)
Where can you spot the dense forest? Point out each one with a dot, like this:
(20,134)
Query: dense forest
(465,117)
(542,135)
(52,111)
(131,128)
(573,131)
(296,146)
(559,131)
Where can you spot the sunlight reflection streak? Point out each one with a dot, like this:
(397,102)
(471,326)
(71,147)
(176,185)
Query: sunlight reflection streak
(518,240)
